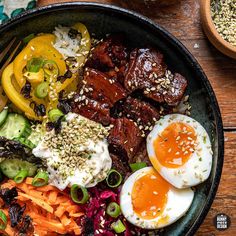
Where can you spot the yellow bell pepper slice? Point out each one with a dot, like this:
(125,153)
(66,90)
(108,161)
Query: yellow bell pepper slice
(40,46)
(16,98)
(85,43)
(45,38)
(34,77)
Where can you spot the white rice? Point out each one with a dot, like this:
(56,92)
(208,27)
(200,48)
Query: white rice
(64,44)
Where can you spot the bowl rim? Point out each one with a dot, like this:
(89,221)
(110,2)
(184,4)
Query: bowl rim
(173,41)
(211,32)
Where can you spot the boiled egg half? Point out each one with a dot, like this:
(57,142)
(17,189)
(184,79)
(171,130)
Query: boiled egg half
(150,202)
(179,148)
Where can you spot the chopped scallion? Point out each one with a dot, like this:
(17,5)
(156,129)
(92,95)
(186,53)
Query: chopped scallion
(76,190)
(34,64)
(114,178)
(118,227)
(19,178)
(41,179)
(137,166)
(50,69)
(41,90)
(55,114)
(113,210)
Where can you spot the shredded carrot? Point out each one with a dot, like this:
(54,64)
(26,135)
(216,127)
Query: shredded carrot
(60,211)
(52,196)
(65,221)
(39,202)
(28,181)
(51,210)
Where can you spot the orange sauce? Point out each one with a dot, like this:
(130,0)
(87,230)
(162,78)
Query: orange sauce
(174,146)
(149,195)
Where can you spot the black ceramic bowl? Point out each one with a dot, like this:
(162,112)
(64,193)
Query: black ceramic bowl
(102,19)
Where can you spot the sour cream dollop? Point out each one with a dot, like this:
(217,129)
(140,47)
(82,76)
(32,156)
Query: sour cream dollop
(77,155)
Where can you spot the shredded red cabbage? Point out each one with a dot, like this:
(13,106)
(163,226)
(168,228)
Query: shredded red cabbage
(96,210)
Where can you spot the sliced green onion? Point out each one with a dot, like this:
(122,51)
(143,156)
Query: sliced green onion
(41,179)
(50,69)
(137,166)
(114,178)
(3,220)
(28,38)
(19,178)
(41,90)
(55,114)
(118,227)
(74,194)
(34,64)
(113,210)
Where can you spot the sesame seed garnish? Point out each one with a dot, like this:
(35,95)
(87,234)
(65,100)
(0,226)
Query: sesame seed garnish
(71,144)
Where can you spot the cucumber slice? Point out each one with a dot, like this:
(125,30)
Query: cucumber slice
(15,126)
(3,116)
(25,142)
(11,167)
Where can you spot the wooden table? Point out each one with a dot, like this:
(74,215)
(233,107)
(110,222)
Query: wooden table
(183,20)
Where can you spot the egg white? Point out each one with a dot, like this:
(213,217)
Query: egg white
(178,202)
(197,168)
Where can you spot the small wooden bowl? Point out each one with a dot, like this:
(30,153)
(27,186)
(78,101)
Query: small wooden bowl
(211,32)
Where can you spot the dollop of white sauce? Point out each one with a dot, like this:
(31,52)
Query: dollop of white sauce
(94,170)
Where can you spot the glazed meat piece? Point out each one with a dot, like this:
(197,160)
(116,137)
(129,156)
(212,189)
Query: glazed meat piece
(97,86)
(109,54)
(111,57)
(144,67)
(144,114)
(147,72)
(92,110)
(124,138)
(141,155)
(119,165)
(176,92)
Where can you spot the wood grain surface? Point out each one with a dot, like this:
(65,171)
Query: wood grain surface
(182,19)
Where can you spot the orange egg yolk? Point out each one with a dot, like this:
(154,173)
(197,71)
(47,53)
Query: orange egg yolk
(149,195)
(174,146)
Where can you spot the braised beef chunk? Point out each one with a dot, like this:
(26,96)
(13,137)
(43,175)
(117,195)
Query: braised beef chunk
(92,110)
(111,57)
(141,155)
(109,54)
(178,87)
(147,72)
(124,138)
(141,112)
(97,86)
(119,165)
(144,66)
